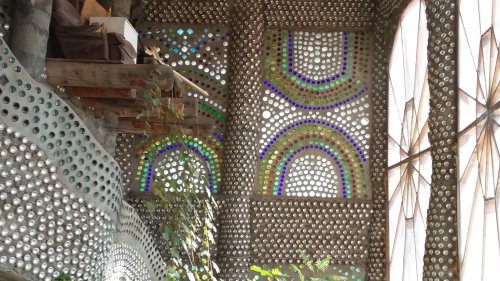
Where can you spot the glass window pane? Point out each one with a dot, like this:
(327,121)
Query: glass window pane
(409,153)
(479,157)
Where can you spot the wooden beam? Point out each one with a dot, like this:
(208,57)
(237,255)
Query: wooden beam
(86,60)
(190,85)
(139,127)
(190,104)
(205,123)
(104,109)
(114,76)
(153,51)
(131,109)
(162,131)
(101,93)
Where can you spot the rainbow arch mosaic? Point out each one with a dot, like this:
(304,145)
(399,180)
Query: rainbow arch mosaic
(316,71)
(315,128)
(311,135)
(208,153)
(200,54)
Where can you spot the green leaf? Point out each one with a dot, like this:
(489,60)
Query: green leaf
(158,189)
(337,278)
(191,168)
(190,275)
(165,204)
(261,271)
(298,272)
(209,224)
(207,192)
(276,272)
(187,185)
(185,246)
(210,237)
(307,260)
(322,264)
(204,253)
(216,267)
(63,277)
(151,205)
(172,274)
(174,253)
(165,235)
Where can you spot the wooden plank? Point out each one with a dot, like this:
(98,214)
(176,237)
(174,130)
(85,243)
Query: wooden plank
(85,61)
(103,109)
(138,127)
(114,76)
(187,82)
(101,93)
(205,123)
(190,104)
(130,108)
(160,131)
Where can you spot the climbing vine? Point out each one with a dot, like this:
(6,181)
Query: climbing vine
(189,232)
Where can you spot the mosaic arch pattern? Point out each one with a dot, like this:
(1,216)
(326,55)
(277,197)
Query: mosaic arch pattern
(200,54)
(295,142)
(126,264)
(479,139)
(160,160)
(409,149)
(247,20)
(315,71)
(315,107)
(134,234)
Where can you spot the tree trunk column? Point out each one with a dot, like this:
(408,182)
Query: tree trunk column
(441,247)
(121,8)
(6,7)
(30,34)
(242,133)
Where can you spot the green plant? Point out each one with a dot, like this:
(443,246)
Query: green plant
(154,104)
(274,274)
(157,104)
(63,277)
(315,270)
(189,232)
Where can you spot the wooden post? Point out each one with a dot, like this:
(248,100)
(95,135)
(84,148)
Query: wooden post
(30,34)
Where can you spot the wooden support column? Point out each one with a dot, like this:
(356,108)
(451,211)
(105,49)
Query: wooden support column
(30,34)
